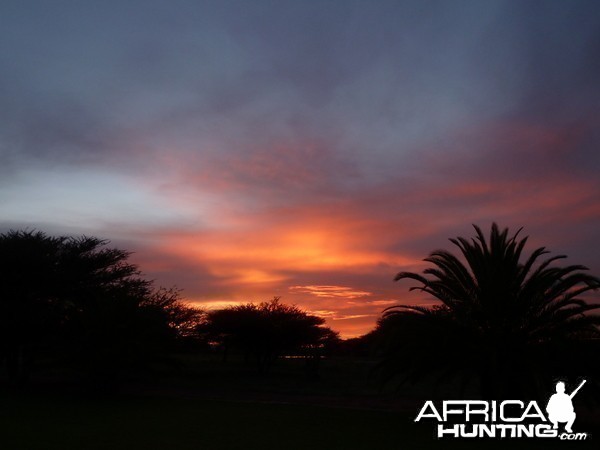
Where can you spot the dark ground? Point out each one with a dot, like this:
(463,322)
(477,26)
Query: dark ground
(209,405)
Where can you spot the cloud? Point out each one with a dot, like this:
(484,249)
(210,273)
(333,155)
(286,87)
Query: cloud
(384,302)
(331,291)
(354,316)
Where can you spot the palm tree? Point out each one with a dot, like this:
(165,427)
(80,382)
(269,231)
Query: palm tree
(504,324)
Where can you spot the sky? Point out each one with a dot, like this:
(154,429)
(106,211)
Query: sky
(308,150)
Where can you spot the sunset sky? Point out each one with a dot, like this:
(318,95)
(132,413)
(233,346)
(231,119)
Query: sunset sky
(303,149)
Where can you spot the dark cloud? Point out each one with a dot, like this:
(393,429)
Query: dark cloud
(82,75)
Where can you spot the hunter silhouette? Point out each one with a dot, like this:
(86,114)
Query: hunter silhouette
(560,407)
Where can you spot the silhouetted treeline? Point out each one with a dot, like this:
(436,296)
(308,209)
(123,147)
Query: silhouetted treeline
(75,306)
(503,325)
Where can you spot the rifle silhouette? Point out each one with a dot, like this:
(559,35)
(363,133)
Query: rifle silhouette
(577,390)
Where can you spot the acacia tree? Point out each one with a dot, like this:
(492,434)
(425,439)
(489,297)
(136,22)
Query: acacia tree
(75,299)
(505,322)
(30,310)
(267,330)
(177,321)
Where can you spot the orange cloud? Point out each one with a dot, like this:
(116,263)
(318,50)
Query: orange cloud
(330,291)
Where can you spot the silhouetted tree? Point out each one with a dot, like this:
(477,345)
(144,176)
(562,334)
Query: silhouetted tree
(123,332)
(178,321)
(363,346)
(30,310)
(77,300)
(267,330)
(507,323)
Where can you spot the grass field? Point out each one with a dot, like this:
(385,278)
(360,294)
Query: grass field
(130,422)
